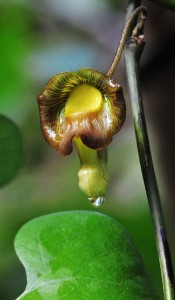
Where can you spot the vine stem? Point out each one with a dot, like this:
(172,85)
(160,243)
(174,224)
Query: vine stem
(123,39)
(133,51)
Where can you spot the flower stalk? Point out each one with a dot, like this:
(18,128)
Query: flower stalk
(126,30)
(133,53)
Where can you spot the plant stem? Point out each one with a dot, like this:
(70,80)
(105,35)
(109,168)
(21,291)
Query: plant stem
(123,39)
(133,52)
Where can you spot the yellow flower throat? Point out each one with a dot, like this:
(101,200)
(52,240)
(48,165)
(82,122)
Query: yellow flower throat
(84,98)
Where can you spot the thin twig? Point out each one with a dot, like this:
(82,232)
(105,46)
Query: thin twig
(133,52)
(123,39)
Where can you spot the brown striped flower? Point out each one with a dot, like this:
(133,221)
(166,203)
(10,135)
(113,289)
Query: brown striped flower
(85,104)
(85,107)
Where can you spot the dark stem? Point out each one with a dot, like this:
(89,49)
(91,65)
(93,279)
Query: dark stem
(133,52)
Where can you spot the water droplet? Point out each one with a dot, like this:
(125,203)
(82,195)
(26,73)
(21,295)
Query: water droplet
(97,201)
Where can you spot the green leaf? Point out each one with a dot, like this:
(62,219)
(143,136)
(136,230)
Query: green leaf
(80,255)
(11,150)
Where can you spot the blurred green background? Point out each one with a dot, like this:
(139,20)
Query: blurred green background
(41,38)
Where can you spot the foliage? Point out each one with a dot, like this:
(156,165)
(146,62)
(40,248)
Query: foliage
(11,150)
(14,24)
(80,253)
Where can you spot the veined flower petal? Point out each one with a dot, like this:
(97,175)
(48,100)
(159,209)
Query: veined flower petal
(95,122)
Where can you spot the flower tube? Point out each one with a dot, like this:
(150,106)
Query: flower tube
(85,108)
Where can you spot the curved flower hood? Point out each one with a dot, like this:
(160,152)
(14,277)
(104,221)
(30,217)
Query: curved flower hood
(85,104)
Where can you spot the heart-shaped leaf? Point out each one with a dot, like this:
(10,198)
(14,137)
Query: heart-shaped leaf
(11,150)
(80,255)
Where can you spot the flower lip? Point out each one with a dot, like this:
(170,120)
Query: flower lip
(95,119)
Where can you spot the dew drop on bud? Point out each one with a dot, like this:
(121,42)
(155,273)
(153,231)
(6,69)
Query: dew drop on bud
(97,201)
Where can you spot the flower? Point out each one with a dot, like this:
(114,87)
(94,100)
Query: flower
(85,107)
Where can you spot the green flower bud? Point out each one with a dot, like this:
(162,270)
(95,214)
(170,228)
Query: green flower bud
(93,174)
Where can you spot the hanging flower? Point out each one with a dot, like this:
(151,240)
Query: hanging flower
(85,107)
